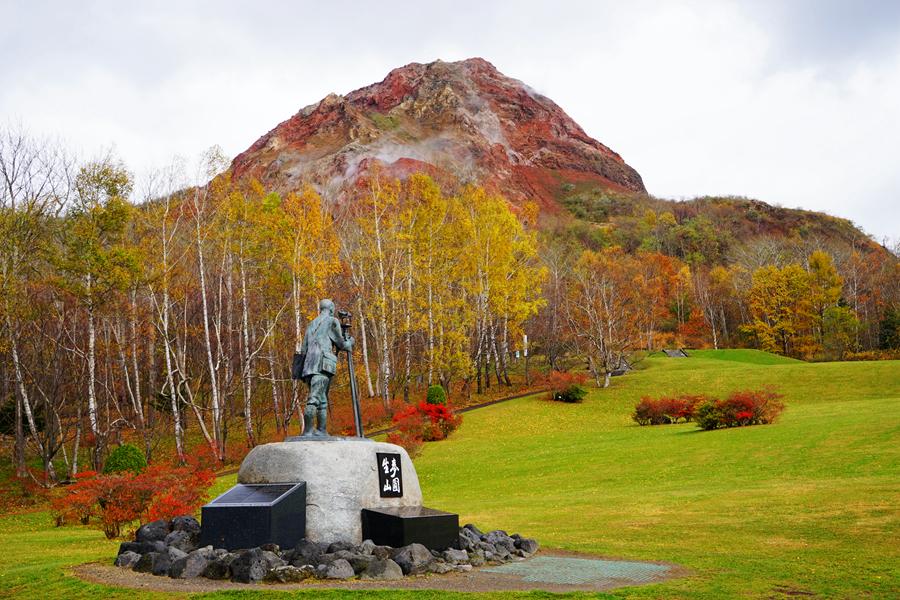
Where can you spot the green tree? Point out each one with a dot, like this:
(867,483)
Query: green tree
(94,262)
(825,286)
(839,328)
(889,330)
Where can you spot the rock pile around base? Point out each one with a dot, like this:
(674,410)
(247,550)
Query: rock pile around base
(170,548)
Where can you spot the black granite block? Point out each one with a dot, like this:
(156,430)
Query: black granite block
(397,527)
(247,516)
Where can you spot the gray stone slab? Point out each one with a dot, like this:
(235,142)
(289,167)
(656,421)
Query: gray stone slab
(576,571)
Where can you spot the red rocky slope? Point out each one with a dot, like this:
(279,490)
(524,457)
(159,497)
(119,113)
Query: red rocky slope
(463,118)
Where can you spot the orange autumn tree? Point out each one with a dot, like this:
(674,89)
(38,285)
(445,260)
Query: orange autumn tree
(606,287)
(658,273)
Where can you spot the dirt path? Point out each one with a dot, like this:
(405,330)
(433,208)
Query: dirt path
(477,580)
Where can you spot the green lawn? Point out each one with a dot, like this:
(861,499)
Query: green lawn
(810,504)
(744,355)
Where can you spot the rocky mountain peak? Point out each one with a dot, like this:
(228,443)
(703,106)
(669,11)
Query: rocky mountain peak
(462,118)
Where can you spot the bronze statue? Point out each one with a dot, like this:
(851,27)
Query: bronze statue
(315,363)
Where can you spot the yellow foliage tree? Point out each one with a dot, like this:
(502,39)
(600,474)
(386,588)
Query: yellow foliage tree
(781,309)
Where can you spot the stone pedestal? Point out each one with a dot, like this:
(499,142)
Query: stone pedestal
(247,516)
(398,527)
(342,478)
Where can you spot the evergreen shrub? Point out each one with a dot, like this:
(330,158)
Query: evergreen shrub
(436,395)
(126,457)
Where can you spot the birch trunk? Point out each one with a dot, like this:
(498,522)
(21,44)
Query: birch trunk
(167,338)
(247,366)
(409,276)
(74,471)
(138,398)
(430,332)
(298,340)
(385,369)
(365,349)
(276,400)
(504,351)
(19,450)
(92,399)
(25,402)
(213,382)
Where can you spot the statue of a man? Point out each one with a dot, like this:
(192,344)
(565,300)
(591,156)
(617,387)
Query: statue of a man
(316,363)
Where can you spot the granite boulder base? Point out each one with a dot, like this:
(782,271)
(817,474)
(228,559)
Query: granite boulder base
(342,478)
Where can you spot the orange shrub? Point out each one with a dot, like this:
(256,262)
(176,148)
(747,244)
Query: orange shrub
(117,499)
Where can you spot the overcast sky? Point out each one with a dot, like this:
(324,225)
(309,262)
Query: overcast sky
(795,103)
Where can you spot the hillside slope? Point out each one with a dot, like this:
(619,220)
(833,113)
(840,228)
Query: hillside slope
(718,230)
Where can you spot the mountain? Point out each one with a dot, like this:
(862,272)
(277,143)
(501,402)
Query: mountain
(467,121)
(464,119)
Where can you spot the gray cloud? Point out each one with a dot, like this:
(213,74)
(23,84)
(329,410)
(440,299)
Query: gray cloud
(830,31)
(793,102)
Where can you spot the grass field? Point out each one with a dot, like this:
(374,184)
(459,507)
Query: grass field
(809,506)
(754,357)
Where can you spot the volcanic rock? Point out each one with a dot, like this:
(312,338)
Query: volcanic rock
(127,559)
(462,119)
(250,565)
(155,531)
(185,523)
(413,559)
(290,574)
(339,569)
(382,569)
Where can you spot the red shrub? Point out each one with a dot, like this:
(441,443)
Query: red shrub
(411,443)
(566,386)
(745,407)
(201,458)
(423,422)
(117,499)
(666,410)
(79,503)
(341,416)
(558,381)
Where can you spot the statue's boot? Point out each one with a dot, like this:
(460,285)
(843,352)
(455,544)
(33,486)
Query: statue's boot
(322,430)
(309,421)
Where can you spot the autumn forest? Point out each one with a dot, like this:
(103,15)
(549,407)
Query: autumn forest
(166,309)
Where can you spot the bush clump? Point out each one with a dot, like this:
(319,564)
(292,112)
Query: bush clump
(423,422)
(115,500)
(567,387)
(741,408)
(126,457)
(666,410)
(436,395)
(745,407)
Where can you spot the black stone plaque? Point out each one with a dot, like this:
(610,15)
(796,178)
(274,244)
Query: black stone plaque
(400,526)
(390,475)
(249,515)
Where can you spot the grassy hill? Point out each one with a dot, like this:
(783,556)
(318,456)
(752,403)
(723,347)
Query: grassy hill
(745,355)
(808,505)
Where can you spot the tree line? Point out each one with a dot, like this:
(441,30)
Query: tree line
(170,306)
